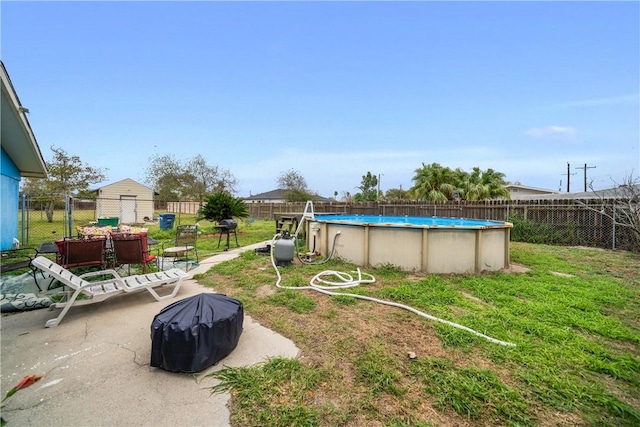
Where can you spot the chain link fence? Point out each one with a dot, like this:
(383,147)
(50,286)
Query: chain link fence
(46,219)
(557,222)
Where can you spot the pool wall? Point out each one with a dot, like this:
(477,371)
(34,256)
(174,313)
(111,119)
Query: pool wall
(430,249)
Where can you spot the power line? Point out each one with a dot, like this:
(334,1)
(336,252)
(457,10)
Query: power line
(585,167)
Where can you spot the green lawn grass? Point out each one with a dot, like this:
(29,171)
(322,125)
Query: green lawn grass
(248,232)
(574,317)
(209,241)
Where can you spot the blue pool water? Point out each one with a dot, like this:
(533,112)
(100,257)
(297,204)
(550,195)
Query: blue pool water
(408,221)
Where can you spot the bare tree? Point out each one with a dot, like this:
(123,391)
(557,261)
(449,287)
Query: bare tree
(296,186)
(200,179)
(347,197)
(163,175)
(226,182)
(621,205)
(67,175)
(194,180)
(292,180)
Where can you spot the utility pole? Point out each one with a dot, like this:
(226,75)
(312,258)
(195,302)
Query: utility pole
(378,193)
(569,177)
(585,167)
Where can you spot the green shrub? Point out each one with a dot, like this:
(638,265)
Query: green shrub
(525,230)
(221,206)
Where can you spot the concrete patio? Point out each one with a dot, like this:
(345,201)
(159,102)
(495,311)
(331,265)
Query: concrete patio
(96,365)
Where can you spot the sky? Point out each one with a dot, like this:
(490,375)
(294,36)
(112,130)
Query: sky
(333,90)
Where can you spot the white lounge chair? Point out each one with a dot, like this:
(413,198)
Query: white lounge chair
(101,290)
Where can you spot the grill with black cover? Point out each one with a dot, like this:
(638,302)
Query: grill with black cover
(228,227)
(196,332)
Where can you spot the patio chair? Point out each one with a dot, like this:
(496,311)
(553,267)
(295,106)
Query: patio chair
(19,258)
(131,248)
(83,252)
(99,291)
(186,242)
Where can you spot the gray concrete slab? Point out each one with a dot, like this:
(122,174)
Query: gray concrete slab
(97,369)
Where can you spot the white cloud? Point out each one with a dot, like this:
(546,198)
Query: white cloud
(566,133)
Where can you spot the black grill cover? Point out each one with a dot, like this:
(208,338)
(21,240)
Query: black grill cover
(196,332)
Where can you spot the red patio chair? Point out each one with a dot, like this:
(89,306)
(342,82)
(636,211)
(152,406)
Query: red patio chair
(84,252)
(131,248)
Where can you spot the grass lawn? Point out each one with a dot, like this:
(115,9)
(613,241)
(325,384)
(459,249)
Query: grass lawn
(247,232)
(573,314)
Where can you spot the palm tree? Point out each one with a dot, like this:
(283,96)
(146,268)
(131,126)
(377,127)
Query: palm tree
(434,182)
(481,185)
(437,183)
(494,182)
(472,186)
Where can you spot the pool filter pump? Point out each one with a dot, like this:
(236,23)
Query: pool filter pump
(283,249)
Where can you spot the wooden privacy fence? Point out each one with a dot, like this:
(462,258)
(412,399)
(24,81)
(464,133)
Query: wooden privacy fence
(567,222)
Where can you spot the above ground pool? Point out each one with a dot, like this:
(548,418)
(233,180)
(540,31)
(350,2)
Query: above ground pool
(427,244)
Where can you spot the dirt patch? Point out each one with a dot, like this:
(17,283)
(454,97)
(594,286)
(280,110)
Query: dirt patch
(515,268)
(559,419)
(265,291)
(589,248)
(556,273)
(472,298)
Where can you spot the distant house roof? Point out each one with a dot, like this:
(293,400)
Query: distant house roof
(518,192)
(608,193)
(277,195)
(616,192)
(18,140)
(530,189)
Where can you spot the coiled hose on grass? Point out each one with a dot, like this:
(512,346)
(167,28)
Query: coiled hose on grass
(345,280)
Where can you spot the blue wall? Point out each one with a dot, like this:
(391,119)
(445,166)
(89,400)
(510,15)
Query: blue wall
(9,187)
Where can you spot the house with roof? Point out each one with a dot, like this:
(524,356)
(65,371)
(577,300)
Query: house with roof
(522,192)
(20,157)
(518,192)
(620,192)
(276,196)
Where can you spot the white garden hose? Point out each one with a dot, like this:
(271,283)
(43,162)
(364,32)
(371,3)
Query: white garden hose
(348,281)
